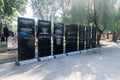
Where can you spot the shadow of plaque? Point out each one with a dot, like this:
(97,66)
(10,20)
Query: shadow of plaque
(81,37)
(26,39)
(58,38)
(71,38)
(94,37)
(44,38)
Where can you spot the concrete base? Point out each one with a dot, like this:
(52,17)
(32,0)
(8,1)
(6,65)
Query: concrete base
(72,53)
(83,51)
(46,58)
(95,48)
(90,49)
(26,62)
(60,55)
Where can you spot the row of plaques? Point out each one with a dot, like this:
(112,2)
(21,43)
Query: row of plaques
(26,38)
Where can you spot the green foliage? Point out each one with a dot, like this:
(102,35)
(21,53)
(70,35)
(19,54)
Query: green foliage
(105,12)
(1,6)
(48,9)
(11,8)
(45,9)
(116,26)
(82,12)
(76,13)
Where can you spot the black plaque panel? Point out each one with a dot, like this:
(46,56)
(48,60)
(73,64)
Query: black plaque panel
(93,37)
(81,37)
(71,38)
(81,45)
(88,38)
(26,39)
(58,38)
(71,46)
(44,38)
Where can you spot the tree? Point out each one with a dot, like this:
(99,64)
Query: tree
(116,29)
(98,13)
(44,9)
(103,16)
(9,9)
(48,9)
(80,12)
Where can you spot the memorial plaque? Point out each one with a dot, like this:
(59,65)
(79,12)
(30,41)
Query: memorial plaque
(26,39)
(71,38)
(93,37)
(44,38)
(81,37)
(88,38)
(58,38)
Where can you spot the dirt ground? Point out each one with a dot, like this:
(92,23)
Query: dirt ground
(7,55)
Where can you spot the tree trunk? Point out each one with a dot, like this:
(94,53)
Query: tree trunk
(95,20)
(114,38)
(99,37)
